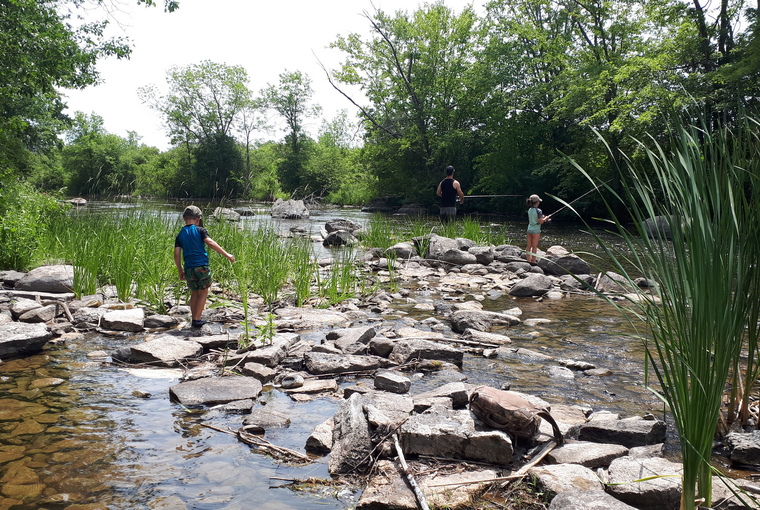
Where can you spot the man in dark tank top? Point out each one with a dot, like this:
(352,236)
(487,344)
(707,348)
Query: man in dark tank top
(449,189)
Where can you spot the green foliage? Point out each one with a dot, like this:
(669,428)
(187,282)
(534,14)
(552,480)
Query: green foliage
(340,280)
(707,293)
(291,99)
(25,217)
(202,109)
(119,250)
(265,160)
(217,161)
(420,114)
(43,52)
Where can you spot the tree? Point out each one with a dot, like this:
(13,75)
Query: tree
(414,72)
(205,102)
(43,52)
(291,98)
(250,121)
(92,159)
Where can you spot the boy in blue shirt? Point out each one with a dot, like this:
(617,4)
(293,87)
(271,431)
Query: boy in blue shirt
(190,244)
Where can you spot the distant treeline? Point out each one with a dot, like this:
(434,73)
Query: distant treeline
(511,98)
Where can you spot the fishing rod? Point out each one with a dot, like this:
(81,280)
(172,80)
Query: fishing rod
(586,193)
(490,196)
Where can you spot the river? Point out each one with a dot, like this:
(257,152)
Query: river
(79,433)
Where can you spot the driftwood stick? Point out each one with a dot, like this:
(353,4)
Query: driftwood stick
(212,427)
(421,501)
(66,309)
(263,445)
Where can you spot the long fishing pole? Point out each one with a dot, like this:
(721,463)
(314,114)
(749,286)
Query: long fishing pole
(586,193)
(490,196)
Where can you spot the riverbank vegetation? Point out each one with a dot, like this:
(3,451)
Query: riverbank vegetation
(702,332)
(502,95)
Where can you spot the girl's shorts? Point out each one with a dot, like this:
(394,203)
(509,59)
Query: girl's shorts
(198,278)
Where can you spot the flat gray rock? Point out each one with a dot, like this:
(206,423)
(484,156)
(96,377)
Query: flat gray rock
(22,339)
(215,390)
(646,483)
(311,318)
(558,478)
(166,350)
(628,433)
(590,455)
(480,320)
(452,434)
(124,320)
(408,349)
(577,499)
(322,363)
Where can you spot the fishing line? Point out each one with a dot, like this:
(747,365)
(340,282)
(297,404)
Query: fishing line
(569,203)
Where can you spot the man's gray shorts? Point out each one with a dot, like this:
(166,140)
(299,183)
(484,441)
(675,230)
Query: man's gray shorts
(448,213)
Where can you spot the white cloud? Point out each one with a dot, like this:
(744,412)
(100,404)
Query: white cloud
(264,37)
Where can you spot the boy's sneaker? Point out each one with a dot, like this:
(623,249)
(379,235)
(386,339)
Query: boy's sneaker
(198,323)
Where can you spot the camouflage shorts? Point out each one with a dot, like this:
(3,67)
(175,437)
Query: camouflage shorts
(198,278)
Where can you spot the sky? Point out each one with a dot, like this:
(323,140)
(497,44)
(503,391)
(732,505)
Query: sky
(265,37)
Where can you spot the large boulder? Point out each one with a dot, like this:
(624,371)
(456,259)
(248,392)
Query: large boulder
(458,257)
(559,261)
(532,285)
(22,339)
(483,254)
(659,226)
(403,251)
(646,483)
(225,213)
(436,245)
(289,210)
(55,279)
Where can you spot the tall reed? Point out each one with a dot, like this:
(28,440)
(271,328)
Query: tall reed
(304,269)
(340,281)
(706,185)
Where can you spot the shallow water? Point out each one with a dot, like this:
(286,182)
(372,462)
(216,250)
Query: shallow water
(76,433)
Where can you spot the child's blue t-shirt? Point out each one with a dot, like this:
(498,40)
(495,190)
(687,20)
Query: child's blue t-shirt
(190,239)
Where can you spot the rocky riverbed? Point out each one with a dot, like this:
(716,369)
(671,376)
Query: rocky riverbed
(395,371)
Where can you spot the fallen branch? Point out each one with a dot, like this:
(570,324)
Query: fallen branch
(264,446)
(66,309)
(412,482)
